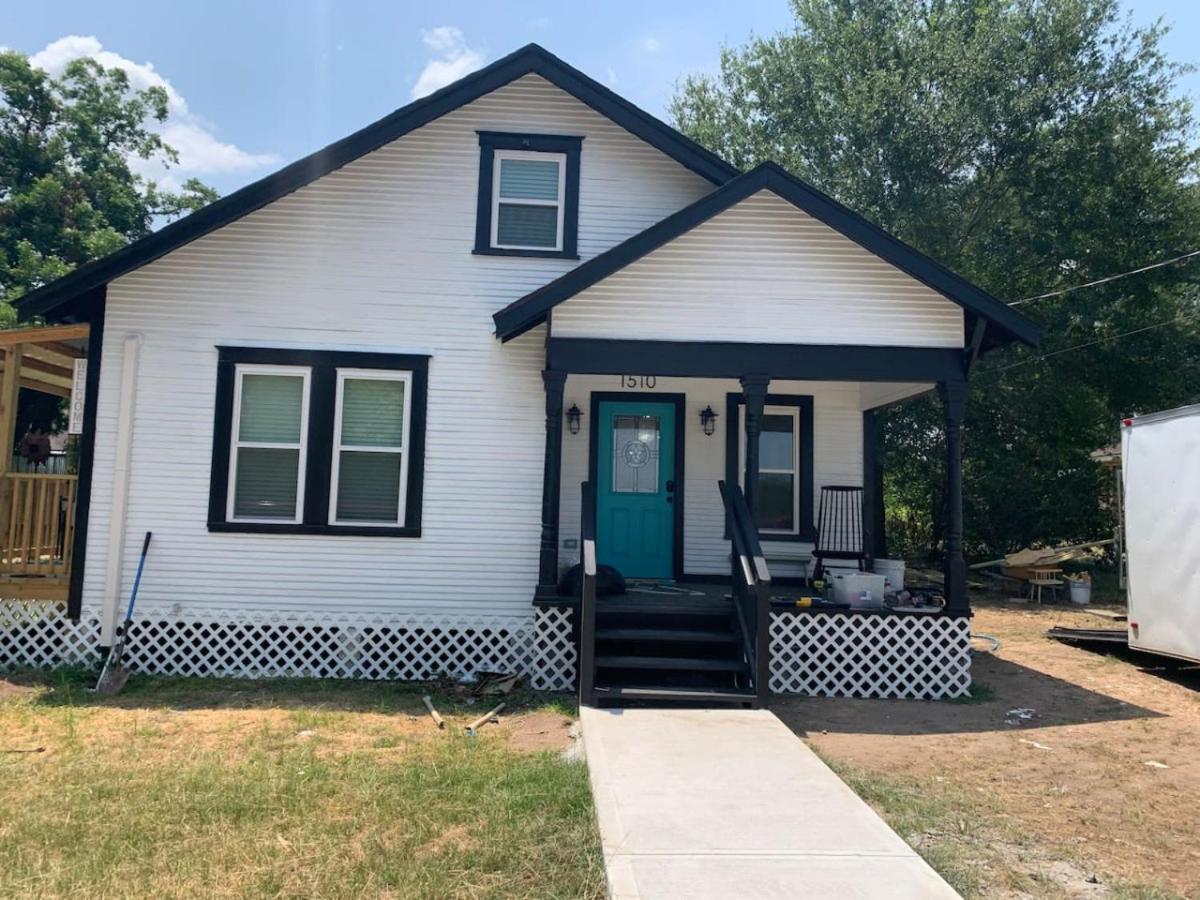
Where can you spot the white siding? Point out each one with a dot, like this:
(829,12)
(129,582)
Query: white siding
(763,270)
(375,256)
(837,458)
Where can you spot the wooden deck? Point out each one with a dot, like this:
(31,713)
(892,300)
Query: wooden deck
(37,509)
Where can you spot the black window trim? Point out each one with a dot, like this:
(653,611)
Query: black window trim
(806,532)
(570,147)
(322,397)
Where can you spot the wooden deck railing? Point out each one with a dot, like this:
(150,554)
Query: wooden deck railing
(37,523)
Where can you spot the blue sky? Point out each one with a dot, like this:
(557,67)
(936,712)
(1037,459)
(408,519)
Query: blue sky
(255,84)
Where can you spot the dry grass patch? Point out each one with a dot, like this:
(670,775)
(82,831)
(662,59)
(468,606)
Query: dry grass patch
(182,788)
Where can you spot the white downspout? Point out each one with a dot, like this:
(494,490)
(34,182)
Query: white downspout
(120,489)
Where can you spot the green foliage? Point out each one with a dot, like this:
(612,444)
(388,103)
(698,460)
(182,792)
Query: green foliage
(67,192)
(1030,145)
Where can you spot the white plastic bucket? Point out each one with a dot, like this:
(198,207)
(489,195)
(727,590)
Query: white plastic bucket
(893,571)
(1081,592)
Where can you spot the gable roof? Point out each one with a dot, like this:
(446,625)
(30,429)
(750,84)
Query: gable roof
(530,59)
(532,309)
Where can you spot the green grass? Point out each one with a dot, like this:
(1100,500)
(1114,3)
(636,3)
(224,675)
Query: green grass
(189,787)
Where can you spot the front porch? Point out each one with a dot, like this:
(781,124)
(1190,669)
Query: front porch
(770,427)
(40,472)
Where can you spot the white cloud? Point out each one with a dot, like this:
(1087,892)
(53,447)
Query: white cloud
(452,60)
(612,77)
(650,44)
(201,153)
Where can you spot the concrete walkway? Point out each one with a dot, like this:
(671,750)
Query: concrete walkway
(730,804)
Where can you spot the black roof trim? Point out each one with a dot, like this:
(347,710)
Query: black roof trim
(532,309)
(530,59)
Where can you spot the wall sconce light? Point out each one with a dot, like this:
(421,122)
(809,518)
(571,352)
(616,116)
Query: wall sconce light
(573,418)
(708,420)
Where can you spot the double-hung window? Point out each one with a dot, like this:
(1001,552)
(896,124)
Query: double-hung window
(370,428)
(783,499)
(318,442)
(527,200)
(528,195)
(270,436)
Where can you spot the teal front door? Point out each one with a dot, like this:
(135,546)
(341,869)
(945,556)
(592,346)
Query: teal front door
(635,488)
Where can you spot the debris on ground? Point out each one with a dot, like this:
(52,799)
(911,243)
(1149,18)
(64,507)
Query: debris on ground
(495,683)
(1018,715)
(483,720)
(575,752)
(433,713)
(1155,764)
(1035,744)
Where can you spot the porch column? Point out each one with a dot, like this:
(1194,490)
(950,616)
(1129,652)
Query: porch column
(10,389)
(954,399)
(551,484)
(754,390)
(874,530)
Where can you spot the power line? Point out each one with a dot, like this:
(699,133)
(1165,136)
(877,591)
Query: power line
(1103,340)
(1080,287)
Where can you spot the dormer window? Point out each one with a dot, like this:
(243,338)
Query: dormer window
(528,195)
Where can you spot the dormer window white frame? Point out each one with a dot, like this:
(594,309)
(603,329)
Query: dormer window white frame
(497,148)
(517,199)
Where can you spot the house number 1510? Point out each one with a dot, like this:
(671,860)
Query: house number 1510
(633,382)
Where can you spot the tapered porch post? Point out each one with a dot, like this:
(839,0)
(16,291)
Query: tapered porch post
(553,382)
(754,389)
(954,399)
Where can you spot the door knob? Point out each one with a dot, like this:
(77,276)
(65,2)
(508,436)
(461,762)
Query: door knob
(670,487)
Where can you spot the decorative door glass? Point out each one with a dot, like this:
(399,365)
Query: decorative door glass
(635,454)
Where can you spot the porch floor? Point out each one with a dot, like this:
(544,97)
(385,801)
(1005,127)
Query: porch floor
(730,803)
(701,597)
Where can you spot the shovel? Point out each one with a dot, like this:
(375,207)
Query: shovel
(114,674)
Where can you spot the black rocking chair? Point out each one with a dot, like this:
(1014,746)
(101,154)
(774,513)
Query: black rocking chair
(840,528)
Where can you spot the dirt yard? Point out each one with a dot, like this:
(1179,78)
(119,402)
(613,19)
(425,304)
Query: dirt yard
(1095,794)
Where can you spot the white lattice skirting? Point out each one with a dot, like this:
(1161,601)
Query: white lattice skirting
(849,655)
(827,655)
(272,645)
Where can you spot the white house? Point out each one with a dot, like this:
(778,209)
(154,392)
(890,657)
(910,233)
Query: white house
(355,402)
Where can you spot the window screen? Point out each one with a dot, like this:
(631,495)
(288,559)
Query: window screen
(369,470)
(528,200)
(268,446)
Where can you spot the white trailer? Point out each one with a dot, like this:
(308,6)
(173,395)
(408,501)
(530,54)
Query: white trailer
(1161,477)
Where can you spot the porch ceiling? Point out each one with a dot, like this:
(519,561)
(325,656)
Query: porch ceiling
(47,356)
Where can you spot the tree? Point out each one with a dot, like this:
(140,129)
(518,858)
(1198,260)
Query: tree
(67,192)
(1031,145)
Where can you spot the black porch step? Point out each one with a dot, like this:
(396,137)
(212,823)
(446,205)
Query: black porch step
(670,662)
(679,694)
(657,606)
(700,636)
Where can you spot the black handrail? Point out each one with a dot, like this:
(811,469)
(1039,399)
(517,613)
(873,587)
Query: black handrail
(743,578)
(754,580)
(587,596)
